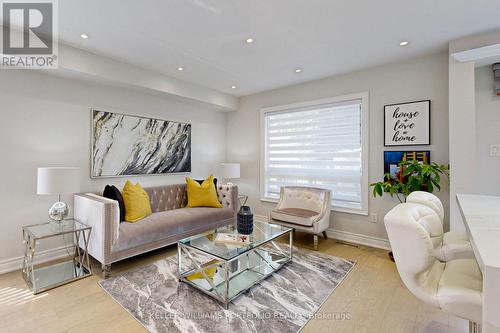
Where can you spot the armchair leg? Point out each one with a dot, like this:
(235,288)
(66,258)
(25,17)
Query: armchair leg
(474,327)
(325,236)
(315,237)
(106,269)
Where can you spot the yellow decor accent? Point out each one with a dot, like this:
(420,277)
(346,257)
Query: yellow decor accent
(137,205)
(210,272)
(202,195)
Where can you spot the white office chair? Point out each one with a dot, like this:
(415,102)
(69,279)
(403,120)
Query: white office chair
(454,286)
(449,245)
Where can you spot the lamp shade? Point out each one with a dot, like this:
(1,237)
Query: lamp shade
(58,180)
(229,170)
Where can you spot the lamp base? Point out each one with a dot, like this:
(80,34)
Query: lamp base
(58,211)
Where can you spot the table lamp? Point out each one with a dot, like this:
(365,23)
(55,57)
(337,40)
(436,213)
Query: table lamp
(229,171)
(58,180)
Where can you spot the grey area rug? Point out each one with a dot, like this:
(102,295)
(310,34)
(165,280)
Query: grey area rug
(284,302)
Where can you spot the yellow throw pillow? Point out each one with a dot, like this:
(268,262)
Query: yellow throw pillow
(202,195)
(137,205)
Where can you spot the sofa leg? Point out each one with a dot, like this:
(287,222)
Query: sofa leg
(315,237)
(106,269)
(325,236)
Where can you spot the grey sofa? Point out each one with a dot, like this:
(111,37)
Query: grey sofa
(112,240)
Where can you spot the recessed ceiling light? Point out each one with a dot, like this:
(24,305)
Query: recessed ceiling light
(233,87)
(180,69)
(298,70)
(404,43)
(84,36)
(249,40)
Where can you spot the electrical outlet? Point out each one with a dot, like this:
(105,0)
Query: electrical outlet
(373,218)
(495,150)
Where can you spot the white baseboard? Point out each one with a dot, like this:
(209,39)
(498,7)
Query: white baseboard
(351,237)
(14,264)
(346,236)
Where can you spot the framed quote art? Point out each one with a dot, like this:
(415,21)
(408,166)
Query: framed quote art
(407,124)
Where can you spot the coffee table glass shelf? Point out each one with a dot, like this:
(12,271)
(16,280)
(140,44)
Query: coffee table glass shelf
(47,276)
(224,270)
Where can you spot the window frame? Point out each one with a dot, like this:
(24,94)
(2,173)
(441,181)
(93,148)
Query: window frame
(365,125)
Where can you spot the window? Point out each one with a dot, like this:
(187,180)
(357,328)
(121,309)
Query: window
(321,144)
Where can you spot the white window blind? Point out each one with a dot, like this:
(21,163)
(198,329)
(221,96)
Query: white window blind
(319,146)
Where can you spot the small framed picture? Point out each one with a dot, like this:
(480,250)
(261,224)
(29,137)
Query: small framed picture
(393,158)
(407,124)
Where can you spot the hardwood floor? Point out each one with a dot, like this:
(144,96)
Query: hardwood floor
(372,299)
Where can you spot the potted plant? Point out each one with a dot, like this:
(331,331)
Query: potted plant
(415,176)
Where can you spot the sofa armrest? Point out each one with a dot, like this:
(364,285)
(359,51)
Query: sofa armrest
(228,196)
(103,215)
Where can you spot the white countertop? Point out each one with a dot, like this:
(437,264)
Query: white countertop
(481,214)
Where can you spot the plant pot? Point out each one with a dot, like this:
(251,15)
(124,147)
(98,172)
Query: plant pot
(244,224)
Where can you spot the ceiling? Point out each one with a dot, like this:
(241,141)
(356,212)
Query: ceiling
(322,37)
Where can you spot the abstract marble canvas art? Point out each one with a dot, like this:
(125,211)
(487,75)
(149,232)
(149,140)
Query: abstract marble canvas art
(124,145)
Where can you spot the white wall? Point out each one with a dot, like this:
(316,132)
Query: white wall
(45,121)
(462,133)
(416,79)
(465,54)
(487,132)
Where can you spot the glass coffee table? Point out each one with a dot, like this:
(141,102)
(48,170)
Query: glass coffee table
(225,270)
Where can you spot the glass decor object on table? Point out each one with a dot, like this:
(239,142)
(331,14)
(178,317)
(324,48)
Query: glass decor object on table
(224,270)
(57,181)
(41,277)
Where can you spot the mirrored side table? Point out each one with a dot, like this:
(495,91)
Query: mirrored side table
(40,277)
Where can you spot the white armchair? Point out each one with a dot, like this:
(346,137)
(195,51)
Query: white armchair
(305,209)
(454,286)
(451,245)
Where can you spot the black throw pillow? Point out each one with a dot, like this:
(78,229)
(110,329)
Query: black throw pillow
(112,192)
(200,181)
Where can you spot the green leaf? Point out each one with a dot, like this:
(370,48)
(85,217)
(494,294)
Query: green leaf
(408,170)
(416,177)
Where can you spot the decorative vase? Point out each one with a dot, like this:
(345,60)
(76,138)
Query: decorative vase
(245,221)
